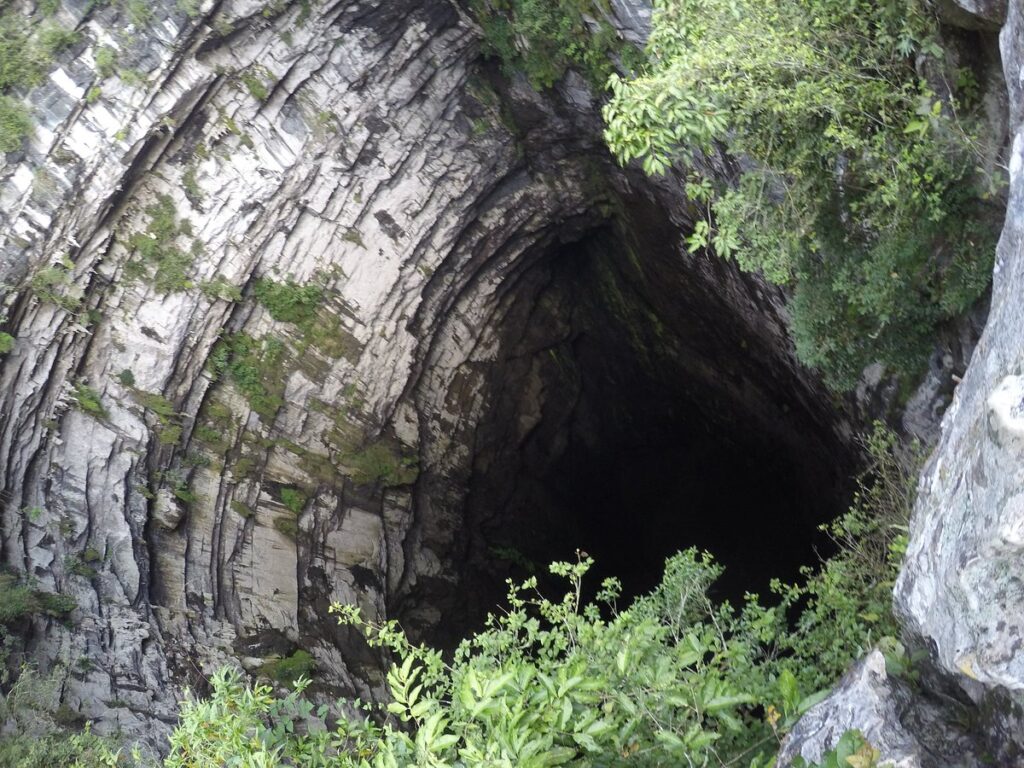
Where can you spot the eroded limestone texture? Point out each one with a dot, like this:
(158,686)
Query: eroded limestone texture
(204,472)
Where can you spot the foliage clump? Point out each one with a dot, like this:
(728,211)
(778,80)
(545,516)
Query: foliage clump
(52,284)
(252,79)
(674,679)
(88,400)
(20,601)
(289,669)
(15,123)
(294,499)
(382,461)
(301,304)
(106,61)
(257,368)
(863,196)
(25,54)
(163,259)
(544,38)
(289,302)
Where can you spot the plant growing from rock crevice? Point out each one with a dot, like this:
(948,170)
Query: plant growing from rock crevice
(863,195)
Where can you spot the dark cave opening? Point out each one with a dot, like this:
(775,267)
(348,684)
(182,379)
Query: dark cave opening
(636,412)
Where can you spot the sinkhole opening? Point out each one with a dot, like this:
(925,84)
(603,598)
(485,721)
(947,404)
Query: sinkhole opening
(643,403)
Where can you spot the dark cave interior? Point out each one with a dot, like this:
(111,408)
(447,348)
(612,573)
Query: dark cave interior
(636,413)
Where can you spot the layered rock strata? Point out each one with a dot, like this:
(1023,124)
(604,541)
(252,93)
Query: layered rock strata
(289,299)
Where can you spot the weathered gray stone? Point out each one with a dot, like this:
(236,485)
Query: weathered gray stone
(974,14)
(864,700)
(960,586)
(909,728)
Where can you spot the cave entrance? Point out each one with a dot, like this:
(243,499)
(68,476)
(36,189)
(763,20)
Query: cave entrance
(644,402)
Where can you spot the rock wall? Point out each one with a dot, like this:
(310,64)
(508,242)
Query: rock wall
(959,595)
(960,588)
(204,462)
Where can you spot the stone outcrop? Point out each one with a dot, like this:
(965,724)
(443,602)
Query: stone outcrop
(204,456)
(959,594)
(960,586)
(909,729)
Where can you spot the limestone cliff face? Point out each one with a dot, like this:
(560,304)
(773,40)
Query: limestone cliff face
(961,587)
(203,466)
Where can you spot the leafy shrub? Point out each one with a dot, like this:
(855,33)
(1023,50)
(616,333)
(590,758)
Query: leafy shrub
(287,525)
(289,302)
(675,679)
(24,58)
(20,601)
(543,38)
(59,748)
(160,250)
(36,737)
(865,195)
(382,462)
(289,669)
(106,59)
(221,288)
(51,284)
(54,39)
(88,399)
(6,343)
(15,124)
(851,750)
(294,499)
(252,79)
(257,369)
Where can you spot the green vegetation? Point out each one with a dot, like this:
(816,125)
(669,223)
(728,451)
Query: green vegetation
(191,185)
(189,7)
(287,525)
(852,750)
(294,499)
(252,79)
(221,288)
(865,199)
(20,601)
(675,679)
(106,59)
(544,38)
(88,399)
(289,302)
(49,284)
(169,429)
(158,246)
(241,509)
(6,343)
(288,670)
(78,566)
(25,55)
(127,378)
(139,11)
(382,461)
(53,39)
(257,368)
(183,493)
(15,123)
